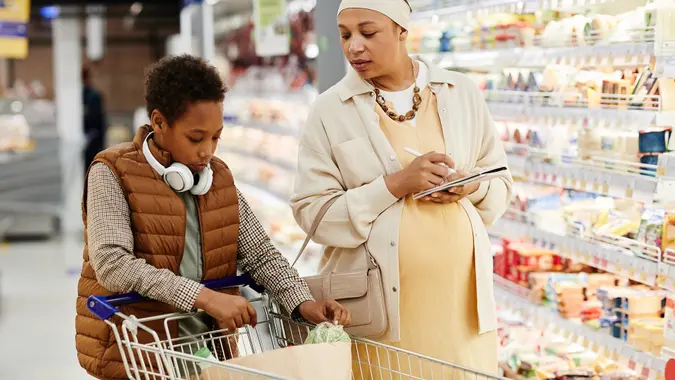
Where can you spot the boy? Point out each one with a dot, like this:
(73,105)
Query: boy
(162,213)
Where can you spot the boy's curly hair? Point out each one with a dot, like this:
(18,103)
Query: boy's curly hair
(175,82)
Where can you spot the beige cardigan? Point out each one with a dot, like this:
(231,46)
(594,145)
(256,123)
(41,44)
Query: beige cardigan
(343,151)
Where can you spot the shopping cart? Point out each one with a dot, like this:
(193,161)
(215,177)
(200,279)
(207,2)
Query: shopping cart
(181,357)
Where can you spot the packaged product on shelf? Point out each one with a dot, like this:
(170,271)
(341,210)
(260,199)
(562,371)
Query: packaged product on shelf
(591,311)
(669,324)
(654,140)
(668,231)
(564,279)
(570,299)
(647,335)
(537,285)
(651,227)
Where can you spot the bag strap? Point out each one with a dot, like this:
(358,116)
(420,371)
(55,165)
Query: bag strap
(317,220)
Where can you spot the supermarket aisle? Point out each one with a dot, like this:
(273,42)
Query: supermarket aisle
(37,311)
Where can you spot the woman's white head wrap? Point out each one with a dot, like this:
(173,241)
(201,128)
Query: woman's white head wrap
(397,10)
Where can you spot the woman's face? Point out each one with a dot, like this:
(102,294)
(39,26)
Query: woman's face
(371,41)
(193,138)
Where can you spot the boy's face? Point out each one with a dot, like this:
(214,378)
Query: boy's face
(192,139)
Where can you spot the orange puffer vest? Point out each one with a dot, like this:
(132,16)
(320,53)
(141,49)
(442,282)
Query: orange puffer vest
(158,222)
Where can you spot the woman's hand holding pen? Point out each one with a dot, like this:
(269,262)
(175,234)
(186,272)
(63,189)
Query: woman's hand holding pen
(424,173)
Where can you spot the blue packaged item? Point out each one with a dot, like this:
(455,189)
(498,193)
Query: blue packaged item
(618,331)
(654,141)
(649,159)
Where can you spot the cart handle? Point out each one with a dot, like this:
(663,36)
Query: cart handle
(105,307)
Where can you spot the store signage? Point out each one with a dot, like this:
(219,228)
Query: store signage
(14,15)
(271,28)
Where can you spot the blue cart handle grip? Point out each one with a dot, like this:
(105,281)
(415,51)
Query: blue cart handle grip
(106,307)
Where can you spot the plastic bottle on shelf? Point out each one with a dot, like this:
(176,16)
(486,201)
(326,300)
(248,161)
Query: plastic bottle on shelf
(446,40)
(431,40)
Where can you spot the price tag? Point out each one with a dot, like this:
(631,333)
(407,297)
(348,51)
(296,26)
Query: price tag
(595,348)
(614,355)
(584,342)
(593,180)
(645,372)
(527,169)
(595,261)
(632,272)
(536,169)
(642,277)
(627,265)
(605,183)
(632,365)
(604,262)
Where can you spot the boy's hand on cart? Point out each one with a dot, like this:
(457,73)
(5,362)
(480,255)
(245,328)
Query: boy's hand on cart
(230,311)
(325,311)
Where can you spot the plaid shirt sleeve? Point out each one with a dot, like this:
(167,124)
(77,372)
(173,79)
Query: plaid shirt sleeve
(259,258)
(111,247)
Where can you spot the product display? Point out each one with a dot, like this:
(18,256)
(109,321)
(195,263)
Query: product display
(533,352)
(577,99)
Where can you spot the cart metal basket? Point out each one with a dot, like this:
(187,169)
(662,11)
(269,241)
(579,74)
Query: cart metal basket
(181,356)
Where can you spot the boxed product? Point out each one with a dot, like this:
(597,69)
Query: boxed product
(651,227)
(647,334)
(668,231)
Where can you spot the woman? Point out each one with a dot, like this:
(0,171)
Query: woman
(434,253)
(162,213)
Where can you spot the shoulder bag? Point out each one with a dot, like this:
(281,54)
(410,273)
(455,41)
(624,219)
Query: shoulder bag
(361,290)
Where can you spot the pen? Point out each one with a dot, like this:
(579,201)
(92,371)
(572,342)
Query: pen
(418,154)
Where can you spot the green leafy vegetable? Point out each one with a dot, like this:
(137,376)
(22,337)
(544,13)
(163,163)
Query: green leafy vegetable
(327,333)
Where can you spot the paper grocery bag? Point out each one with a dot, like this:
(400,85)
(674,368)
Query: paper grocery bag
(327,361)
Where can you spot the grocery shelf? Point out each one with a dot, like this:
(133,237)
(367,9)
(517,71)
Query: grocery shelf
(617,255)
(260,192)
(504,109)
(426,9)
(615,178)
(622,54)
(516,298)
(260,156)
(268,127)
(626,108)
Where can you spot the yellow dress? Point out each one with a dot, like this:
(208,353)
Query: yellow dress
(438,306)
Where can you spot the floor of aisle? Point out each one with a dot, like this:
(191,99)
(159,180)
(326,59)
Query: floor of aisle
(37,310)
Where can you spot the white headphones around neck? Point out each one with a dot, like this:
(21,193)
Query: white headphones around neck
(178,176)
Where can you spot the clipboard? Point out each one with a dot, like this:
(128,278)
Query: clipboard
(484,175)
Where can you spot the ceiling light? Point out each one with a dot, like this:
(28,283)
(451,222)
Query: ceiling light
(136,8)
(312,51)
